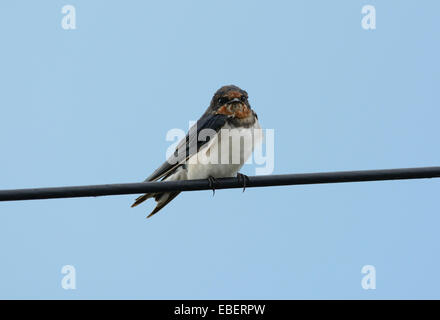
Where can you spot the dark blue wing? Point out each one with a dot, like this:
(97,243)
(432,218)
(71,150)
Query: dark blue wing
(186,148)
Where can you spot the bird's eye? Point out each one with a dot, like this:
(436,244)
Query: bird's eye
(243,98)
(221,100)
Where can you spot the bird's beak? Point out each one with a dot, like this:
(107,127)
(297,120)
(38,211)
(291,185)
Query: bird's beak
(236,104)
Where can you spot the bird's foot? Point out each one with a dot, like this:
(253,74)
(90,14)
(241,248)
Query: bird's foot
(242,178)
(212,181)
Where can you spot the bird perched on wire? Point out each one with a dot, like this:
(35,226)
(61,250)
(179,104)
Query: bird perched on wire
(210,149)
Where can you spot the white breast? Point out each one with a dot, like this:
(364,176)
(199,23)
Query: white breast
(224,155)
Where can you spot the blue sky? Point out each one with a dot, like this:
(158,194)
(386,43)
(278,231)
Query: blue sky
(93,105)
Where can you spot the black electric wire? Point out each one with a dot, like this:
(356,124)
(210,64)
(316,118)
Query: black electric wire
(223,183)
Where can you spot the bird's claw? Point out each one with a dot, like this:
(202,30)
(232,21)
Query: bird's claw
(242,177)
(212,181)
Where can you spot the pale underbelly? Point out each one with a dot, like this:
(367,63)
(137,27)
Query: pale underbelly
(203,171)
(224,158)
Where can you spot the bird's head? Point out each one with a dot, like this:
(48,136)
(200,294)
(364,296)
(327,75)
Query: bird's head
(232,102)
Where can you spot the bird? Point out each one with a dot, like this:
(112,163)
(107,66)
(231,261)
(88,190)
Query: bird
(208,150)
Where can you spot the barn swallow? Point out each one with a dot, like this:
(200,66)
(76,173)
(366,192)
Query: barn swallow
(229,109)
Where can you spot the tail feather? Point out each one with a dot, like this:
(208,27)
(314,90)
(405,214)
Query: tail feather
(163,202)
(142,198)
(162,198)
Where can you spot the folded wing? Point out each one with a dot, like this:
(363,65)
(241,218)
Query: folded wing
(189,145)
